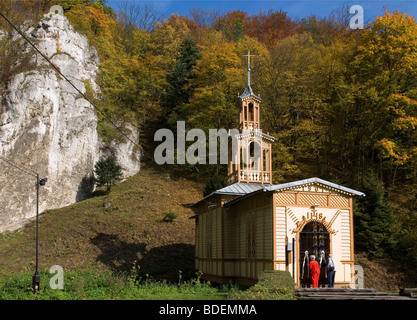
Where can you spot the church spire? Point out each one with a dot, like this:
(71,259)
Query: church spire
(248,91)
(249,70)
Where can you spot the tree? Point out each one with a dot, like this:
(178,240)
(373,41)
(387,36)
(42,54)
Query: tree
(134,14)
(178,91)
(387,54)
(291,102)
(218,79)
(374,220)
(232,24)
(271,27)
(215,183)
(108,173)
(385,72)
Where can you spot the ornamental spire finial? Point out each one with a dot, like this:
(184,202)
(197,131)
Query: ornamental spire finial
(249,70)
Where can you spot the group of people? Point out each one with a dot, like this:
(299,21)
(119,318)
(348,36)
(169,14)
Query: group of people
(315,271)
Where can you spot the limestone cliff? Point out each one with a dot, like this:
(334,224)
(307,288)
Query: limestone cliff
(47,127)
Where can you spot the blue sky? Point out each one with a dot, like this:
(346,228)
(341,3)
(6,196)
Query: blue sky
(296,9)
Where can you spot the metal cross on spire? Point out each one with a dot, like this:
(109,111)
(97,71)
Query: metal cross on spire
(249,55)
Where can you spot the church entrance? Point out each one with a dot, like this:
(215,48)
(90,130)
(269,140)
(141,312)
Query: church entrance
(314,239)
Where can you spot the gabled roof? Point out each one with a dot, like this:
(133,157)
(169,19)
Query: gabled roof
(295,184)
(305,182)
(245,189)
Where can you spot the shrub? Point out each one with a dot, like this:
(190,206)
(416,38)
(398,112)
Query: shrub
(169,217)
(272,285)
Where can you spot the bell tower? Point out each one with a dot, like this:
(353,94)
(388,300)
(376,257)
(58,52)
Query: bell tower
(249,111)
(253,159)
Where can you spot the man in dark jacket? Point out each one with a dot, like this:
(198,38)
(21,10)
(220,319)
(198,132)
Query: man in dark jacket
(331,271)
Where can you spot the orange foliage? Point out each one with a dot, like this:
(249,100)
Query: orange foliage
(271,27)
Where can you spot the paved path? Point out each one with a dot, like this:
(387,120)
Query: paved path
(346,294)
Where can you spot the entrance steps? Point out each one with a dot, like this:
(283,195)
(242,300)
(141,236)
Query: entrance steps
(346,294)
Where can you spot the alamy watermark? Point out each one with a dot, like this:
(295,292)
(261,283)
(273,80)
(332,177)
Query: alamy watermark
(57,281)
(357,279)
(171,151)
(356,21)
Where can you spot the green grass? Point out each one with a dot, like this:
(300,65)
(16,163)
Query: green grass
(108,286)
(272,285)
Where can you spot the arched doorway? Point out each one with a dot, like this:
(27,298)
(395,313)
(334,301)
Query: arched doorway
(313,239)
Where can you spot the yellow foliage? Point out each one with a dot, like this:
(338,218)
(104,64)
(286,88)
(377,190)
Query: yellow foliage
(404,124)
(388,149)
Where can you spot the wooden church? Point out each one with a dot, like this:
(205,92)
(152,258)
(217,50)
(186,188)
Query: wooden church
(252,225)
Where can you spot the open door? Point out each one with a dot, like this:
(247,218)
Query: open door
(314,239)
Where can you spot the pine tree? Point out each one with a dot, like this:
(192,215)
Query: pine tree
(374,220)
(178,91)
(215,183)
(108,173)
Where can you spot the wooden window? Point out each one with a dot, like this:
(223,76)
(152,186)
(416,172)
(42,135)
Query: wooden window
(243,158)
(251,235)
(254,154)
(251,113)
(266,165)
(209,231)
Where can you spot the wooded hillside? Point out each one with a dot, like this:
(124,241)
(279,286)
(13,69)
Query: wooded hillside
(342,103)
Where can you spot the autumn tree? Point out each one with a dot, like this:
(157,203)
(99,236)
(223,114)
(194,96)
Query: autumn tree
(385,66)
(291,102)
(232,24)
(270,27)
(218,79)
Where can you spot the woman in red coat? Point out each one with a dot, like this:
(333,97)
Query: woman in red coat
(314,271)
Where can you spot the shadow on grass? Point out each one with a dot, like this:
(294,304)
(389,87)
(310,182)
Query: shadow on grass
(160,263)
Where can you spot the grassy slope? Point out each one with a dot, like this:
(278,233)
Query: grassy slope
(89,235)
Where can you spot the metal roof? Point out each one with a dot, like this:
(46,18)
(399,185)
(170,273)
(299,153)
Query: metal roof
(249,92)
(295,184)
(244,189)
(238,189)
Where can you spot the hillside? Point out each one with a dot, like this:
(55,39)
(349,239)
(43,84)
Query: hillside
(113,231)
(385,274)
(125,228)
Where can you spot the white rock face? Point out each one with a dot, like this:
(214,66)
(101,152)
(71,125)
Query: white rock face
(47,127)
(124,152)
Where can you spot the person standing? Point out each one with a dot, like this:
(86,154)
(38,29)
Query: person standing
(314,271)
(331,271)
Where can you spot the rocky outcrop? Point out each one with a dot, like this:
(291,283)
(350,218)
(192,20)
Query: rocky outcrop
(47,127)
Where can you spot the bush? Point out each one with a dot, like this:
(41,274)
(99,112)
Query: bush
(272,285)
(169,217)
